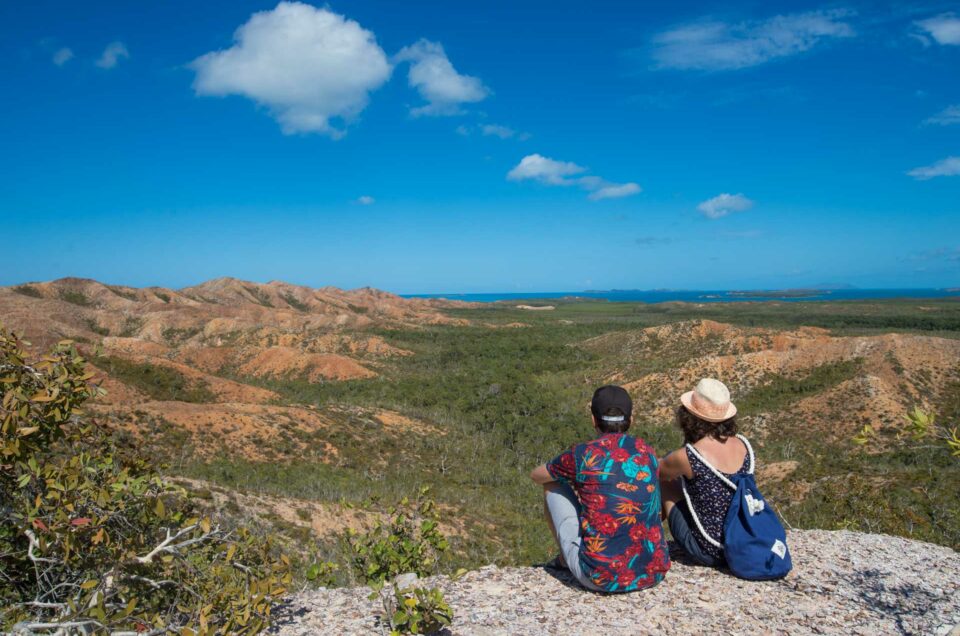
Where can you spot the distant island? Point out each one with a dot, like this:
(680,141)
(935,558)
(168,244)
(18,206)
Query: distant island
(779,293)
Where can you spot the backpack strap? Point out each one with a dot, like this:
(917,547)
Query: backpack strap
(693,513)
(749,451)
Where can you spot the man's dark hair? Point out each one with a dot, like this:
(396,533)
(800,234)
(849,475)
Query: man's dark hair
(694,429)
(613,427)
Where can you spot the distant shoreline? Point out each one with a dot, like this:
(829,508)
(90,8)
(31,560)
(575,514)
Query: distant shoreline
(703,296)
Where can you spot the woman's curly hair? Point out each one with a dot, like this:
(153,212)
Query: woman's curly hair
(694,429)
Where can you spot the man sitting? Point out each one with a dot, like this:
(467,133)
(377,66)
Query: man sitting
(602,502)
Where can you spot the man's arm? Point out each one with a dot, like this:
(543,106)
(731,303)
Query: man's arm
(674,465)
(541,475)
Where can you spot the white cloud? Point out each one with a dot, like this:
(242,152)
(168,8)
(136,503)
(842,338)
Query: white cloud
(366,200)
(62,56)
(944,28)
(434,77)
(306,65)
(615,191)
(495,130)
(714,46)
(112,54)
(949,167)
(548,171)
(539,168)
(463,131)
(724,204)
(946,117)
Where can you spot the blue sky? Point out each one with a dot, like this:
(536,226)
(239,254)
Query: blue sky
(482,146)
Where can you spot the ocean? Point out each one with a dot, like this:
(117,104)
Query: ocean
(668,295)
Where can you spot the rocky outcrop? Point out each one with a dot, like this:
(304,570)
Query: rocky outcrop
(843,583)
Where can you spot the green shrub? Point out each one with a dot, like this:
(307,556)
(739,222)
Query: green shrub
(93,539)
(162,296)
(419,611)
(322,573)
(291,300)
(131,326)
(176,335)
(95,327)
(75,297)
(160,383)
(129,294)
(259,296)
(28,290)
(409,542)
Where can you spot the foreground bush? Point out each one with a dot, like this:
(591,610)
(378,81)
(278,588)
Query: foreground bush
(92,539)
(409,542)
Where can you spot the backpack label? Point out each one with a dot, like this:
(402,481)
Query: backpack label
(779,548)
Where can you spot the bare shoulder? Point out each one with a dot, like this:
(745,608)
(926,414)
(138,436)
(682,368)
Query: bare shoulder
(676,464)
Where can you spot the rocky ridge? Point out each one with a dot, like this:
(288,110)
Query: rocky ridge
(843,583)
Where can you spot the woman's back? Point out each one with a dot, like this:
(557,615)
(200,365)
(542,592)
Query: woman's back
(726,456)
(710,497)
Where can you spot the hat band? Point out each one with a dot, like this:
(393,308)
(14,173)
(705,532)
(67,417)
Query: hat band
(612,418)
(706,407)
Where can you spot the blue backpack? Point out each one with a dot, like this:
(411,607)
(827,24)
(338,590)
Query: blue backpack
(754,541)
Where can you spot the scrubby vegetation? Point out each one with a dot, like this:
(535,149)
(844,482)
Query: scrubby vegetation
(28,290)
(75,297)
(160,383)
(508,398)
(93,539)
(291,300)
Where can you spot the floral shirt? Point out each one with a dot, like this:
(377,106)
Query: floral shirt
(616,479)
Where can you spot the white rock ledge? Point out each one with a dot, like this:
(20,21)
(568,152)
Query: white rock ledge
(843,583)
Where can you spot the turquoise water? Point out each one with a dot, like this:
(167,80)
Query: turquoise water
(667,295)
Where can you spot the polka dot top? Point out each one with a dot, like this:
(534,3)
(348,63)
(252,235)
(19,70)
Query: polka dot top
(711,498)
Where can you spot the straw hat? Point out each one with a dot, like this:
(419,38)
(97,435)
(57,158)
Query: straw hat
(709,401)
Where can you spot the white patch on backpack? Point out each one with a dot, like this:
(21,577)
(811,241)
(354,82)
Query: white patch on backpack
(779,548)
(754,506)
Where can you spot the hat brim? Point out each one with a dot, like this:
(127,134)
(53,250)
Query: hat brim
(687,400)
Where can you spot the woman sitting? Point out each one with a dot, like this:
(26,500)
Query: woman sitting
(695,495)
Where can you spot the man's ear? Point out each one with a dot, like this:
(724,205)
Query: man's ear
(594,418)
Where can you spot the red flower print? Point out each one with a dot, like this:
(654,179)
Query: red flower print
(608,441)
(659,562)
(627,487)
(604,523)
(619,455)
(633,550)
(567,462)
(651,487)
(654,534)
(625,578)
(638,533)
(594,501)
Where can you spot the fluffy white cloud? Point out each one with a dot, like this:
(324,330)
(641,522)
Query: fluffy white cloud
(306,65)
(536,167)
(366,200)
(946,117)
(548,171)
(615,191)
(724,204)
(62,56)
(112,54)
(944,28)
(437,81)
(949,167)
(715,46)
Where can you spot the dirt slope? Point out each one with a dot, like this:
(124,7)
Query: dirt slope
(891,372)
